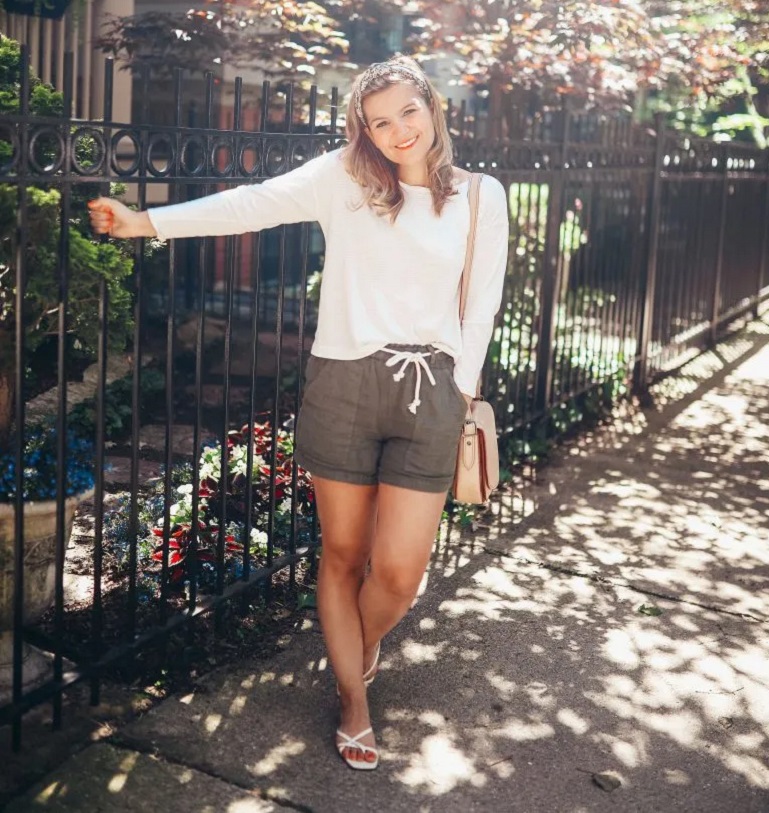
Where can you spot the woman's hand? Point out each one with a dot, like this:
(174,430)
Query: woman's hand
(111,217)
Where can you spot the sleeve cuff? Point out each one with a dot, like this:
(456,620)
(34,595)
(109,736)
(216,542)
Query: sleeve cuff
(464,382)
(155,225)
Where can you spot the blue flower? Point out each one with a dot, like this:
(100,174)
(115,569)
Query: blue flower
(40,465)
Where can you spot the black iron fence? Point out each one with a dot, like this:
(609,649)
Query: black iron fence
(629,248)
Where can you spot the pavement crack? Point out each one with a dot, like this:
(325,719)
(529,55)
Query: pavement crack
(282,802)
(606,580)
(127,743)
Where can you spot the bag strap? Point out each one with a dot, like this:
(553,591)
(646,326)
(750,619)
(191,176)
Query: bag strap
(473,195)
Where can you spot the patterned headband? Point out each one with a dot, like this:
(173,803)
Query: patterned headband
(381,69)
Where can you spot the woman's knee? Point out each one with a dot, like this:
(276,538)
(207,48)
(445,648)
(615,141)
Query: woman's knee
(394,578)
(344,562)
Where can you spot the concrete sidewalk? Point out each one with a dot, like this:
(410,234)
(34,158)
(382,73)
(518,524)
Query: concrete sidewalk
(609,628)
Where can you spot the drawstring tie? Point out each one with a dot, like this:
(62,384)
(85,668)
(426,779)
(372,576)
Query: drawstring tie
(404,358)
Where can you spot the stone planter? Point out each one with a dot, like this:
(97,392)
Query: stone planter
(39,582)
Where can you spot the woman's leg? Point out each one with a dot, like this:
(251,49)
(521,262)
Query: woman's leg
(406,527)
(347,516)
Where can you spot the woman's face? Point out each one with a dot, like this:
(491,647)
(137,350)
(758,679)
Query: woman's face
(400,124)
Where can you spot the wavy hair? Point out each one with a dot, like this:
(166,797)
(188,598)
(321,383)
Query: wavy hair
(377,176)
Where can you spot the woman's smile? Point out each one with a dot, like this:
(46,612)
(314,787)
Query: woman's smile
(406,145)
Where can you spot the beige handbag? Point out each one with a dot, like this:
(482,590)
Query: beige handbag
(477,470)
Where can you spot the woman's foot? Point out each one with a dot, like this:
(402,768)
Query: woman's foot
(354,737)
(360,751)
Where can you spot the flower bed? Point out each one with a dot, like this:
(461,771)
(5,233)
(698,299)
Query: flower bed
(226,522)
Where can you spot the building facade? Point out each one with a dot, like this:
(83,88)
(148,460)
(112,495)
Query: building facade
(48,40)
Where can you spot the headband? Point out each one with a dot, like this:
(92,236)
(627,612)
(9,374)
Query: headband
(381,69)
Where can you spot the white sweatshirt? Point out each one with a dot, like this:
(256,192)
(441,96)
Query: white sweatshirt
(383,283)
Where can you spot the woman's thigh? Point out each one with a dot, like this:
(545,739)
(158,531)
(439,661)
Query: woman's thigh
(406,527)
(347,514)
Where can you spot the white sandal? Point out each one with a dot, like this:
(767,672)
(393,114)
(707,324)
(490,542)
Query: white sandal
(371,672)
(368,758)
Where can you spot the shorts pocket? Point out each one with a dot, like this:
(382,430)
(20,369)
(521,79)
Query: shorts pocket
(311,370)
(327,418)
(457,392)
(431,451)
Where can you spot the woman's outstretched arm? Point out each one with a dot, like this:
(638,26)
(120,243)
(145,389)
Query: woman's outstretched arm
(293,197)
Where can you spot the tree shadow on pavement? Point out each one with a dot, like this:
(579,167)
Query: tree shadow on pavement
(611,622)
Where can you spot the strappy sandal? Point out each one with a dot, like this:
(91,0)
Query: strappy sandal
(358,756)
(371,672)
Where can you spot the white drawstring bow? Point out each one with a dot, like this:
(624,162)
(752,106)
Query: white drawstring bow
(404,358)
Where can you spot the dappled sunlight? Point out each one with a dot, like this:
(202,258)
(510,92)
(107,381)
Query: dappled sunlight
(119,779)
(608,614)
(687,679)
(117,783)
(277,756)
(244,806)
(683,510)
(440,766)
(416,652)
(524,731)
(212,722)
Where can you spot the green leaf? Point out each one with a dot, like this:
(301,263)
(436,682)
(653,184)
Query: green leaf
(649,609)
(307,601)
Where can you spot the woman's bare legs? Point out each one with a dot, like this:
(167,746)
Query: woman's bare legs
(394,528)
(406,527)
(347,516)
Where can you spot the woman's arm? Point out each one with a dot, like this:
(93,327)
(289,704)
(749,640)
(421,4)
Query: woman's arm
(294,197)
(488,275)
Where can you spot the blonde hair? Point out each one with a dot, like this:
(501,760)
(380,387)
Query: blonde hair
(377,176)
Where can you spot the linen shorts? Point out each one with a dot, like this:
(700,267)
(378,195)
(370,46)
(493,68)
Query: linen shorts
(381,419)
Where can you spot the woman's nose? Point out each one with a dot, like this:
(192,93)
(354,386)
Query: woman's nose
(402,126)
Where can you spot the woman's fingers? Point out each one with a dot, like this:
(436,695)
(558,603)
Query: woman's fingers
(101,214)
(111,217)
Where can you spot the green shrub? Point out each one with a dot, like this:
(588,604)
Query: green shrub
(88,263)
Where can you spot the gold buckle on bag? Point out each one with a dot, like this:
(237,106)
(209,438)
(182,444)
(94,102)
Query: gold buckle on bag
(466,424)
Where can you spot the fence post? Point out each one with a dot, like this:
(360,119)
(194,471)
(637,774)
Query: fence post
(763,262)
(716,308)
(551,268)
(641,367)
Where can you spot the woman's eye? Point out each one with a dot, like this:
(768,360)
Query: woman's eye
(411,110)
(381,124)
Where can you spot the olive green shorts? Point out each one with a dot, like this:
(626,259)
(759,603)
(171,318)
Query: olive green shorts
(381,419)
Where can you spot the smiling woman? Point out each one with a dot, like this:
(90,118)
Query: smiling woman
(396,217)
(398,125)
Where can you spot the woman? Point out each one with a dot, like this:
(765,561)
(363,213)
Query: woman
(391,370)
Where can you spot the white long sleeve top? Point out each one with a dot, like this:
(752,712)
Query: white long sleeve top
(383,283)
